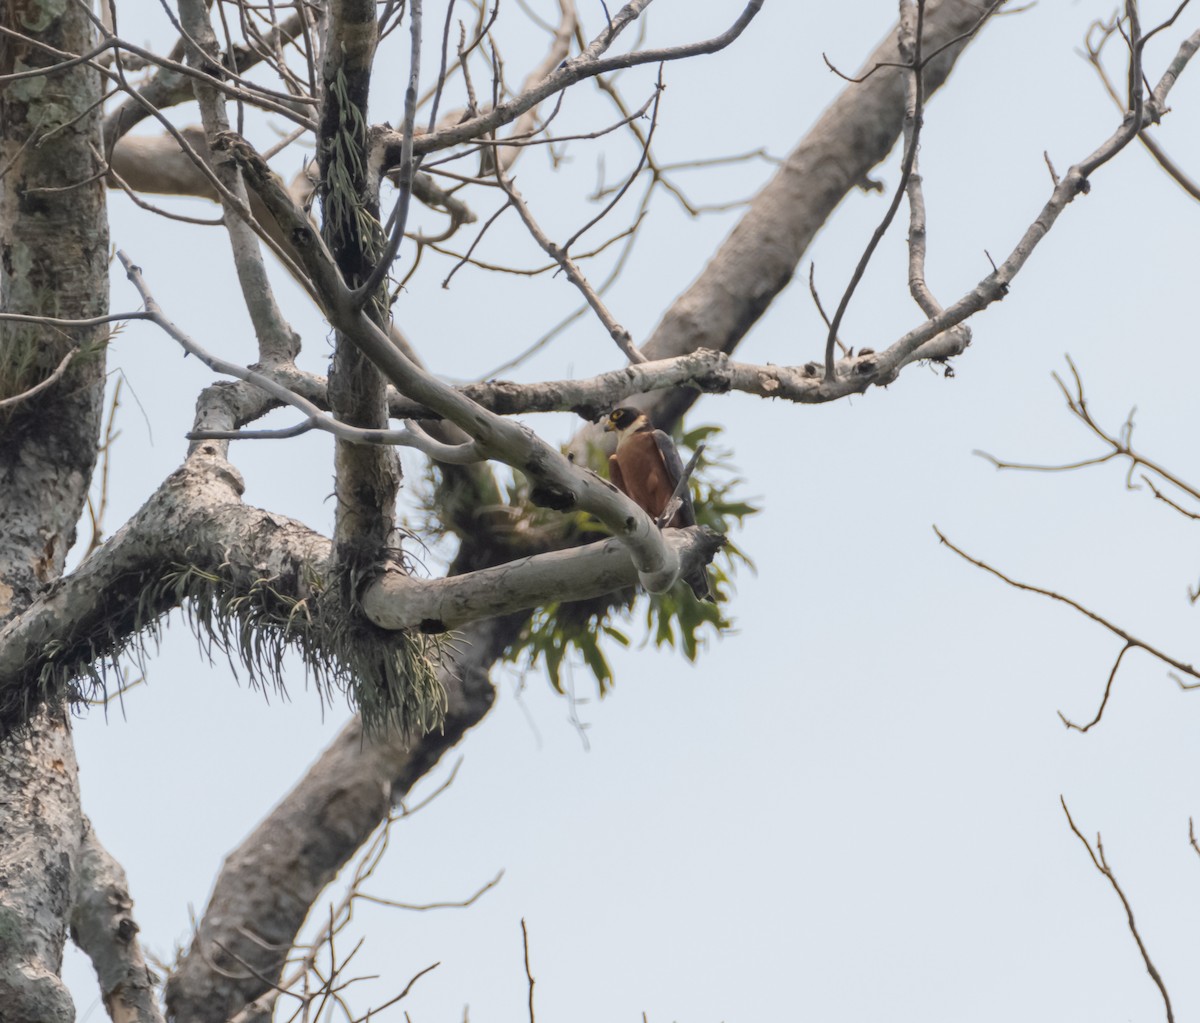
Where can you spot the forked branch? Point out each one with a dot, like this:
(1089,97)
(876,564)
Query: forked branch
(1129,640)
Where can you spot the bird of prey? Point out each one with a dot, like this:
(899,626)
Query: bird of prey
(647,467)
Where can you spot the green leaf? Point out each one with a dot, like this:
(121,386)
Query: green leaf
(578,631)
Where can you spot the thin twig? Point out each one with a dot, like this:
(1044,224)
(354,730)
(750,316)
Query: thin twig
(566,247)
(1121,445)
(423,907)
(1107,692)
(1101,864)
(1092,56)
(32,392)
(618,333)
(97,509)
(910,155)
(812,290)
(1187,669)
(528,972)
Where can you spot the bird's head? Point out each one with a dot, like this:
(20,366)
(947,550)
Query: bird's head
(625,420)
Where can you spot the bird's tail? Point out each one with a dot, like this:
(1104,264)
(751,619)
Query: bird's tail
(699,584)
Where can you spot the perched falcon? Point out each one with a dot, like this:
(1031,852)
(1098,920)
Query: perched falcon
(647,467)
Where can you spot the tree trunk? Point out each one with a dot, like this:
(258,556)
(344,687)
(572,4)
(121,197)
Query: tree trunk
(53,262)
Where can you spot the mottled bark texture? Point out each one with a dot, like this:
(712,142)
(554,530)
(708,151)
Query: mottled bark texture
(367,477)
(53,262)
(102,925)
(41,827)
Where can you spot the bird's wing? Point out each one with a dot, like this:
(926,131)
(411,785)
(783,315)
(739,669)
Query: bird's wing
(686,516)
(614,474)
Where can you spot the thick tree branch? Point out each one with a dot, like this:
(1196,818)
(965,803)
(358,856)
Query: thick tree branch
(40,819)
(700,372)
(102,925)
(366,479)
(194,522)
(399,601)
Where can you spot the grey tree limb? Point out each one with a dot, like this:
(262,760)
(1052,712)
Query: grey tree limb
(102,925)
(41,823)
(399,601)
(196,520)
(277,342)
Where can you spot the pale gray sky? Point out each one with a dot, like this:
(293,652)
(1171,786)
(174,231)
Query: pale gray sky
(848,809)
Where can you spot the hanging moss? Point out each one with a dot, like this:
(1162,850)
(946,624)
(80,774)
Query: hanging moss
(391,678)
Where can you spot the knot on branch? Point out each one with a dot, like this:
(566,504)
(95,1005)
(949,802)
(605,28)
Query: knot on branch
(546,495)
(712,375)
(242,153)
(866,364)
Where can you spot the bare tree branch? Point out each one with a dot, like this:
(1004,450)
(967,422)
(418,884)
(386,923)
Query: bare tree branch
(1093,56)
(911,41)
(528,971)
(618,333)
(1130,641)
(1120,445)
(760,255)
(1101,865)
(1107,692)
(102,925)
(588,64)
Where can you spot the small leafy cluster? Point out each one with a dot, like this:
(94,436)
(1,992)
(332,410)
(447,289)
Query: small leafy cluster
(557,632)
